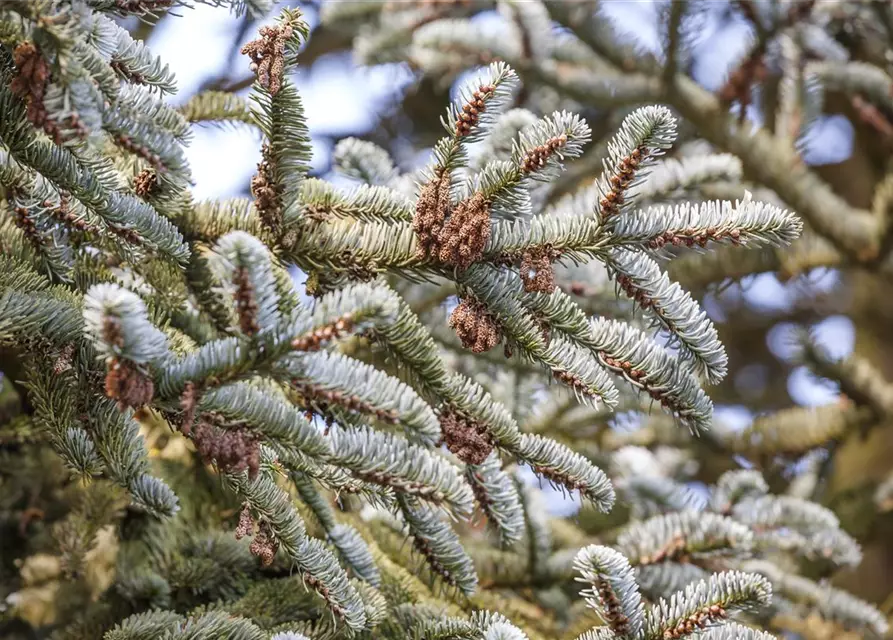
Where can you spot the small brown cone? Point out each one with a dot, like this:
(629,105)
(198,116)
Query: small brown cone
(466,233)
(468,440)
(536,270)
(476,327)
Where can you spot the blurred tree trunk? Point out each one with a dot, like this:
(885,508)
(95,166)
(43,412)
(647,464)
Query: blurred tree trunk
(863,460)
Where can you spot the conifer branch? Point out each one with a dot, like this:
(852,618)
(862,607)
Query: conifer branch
(338,480)
(350,544)
(409,469)
(855,79)
(334,380)
(68,172)
(495,626)
(321,201)
(460,402)
(56,415)
(145,625)
(291,635)
(123,451)
(352,309)
(147,128)
(498,498)
(674,40)
(538,537)
(45,313)
(364,161)
(668,577)
(685,536)
(439,546)
(833,604)
(566,468)
(281,423)
(706,602)
(644,364)
(504,136)
(644,135)
(735,486)
(800,429)
(652,495)
(242,267)
(479,103)
(858,379)
(567,363)
(217,107)
(280,526)
(598,633)
(133,62)
(671,177)
(280,115)
(786,512)
(745,222)
(208,221)
(612,590)
(641,279)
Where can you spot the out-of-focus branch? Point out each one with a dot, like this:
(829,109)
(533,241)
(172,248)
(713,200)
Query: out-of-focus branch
(600,92)
(698,271)
(854,232)
(859,380)
(674,39)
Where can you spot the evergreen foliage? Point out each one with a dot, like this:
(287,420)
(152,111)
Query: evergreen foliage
(191,448)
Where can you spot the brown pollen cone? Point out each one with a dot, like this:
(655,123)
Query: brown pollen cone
(233,450)
(30,83)
(267,55)
(266,191)
(63,361)
(466,438)
(264,545)
(24,222)
(465,235)
(246,522)
(476,327)
(536,270)
(431,211)
(128,385)
(145,183)
(246,302)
